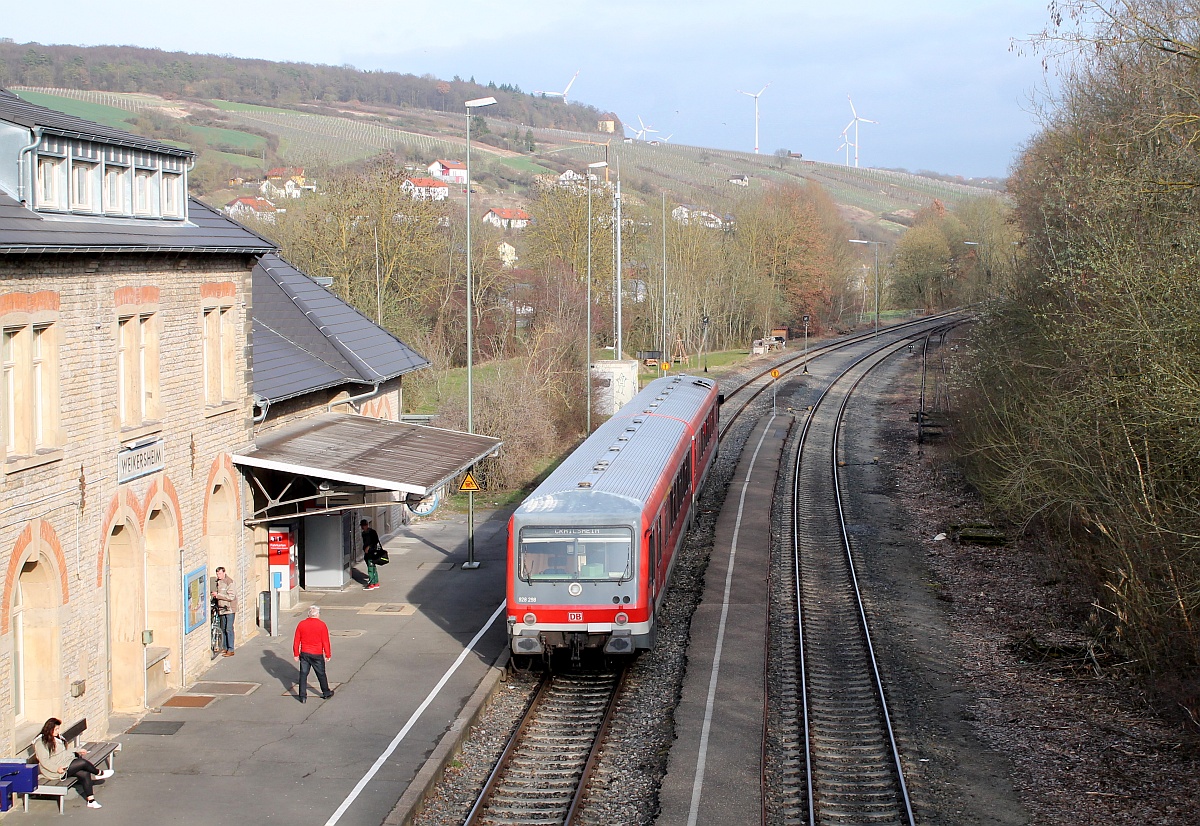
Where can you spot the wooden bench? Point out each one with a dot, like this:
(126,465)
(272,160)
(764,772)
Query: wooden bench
(101,754)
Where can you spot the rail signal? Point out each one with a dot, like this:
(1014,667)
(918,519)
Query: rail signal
(805,344)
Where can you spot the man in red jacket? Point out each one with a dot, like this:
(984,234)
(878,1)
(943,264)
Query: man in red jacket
(311,647)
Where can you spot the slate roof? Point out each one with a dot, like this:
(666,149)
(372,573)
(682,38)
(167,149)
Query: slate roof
(17,110)
(24,231)
(306,339)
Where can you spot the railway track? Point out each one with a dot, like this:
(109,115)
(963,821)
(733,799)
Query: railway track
(739,398)
(543,771)
(829,751)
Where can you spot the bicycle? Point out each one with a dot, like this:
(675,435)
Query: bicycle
(218,633)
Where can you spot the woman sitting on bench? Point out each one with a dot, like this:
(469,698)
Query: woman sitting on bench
(56,761)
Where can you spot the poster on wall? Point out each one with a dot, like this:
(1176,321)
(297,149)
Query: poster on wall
(195,600)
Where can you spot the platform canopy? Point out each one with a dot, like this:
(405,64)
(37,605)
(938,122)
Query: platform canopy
(341,455)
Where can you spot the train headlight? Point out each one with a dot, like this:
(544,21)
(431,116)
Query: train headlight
(621,618)
(530,618)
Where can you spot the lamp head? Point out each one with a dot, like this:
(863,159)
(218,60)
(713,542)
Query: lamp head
(598,165)
(477,102)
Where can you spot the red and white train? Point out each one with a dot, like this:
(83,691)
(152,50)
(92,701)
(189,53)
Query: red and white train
(591,550)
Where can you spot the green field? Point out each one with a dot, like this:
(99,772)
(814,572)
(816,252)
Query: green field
(522,164)
(98,112)
(216,136)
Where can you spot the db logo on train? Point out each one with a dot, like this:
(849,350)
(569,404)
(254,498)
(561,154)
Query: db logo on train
(574,616)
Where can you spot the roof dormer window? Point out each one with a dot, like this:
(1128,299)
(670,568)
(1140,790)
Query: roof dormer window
(51,182)
(172,195)
(95,178)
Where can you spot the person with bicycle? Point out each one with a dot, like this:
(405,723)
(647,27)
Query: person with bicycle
(227,605)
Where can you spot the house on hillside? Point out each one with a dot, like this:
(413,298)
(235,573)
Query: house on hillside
(163,369)
(274,190)
(453,171)
(687,214)
(571,178)
(425,189)
(286,173)
(250,207)
(508,255)
(740,180)
(507,218)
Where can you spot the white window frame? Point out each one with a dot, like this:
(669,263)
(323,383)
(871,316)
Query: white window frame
(145,192)
(116,188)
(171,193)
(137,368)
(50,188)
(8,391)
(220,369)
(29,388)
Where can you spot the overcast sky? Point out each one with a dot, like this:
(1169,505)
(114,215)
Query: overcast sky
(940,77)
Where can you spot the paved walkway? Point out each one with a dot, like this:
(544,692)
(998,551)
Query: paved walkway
(256,755)
(714,770)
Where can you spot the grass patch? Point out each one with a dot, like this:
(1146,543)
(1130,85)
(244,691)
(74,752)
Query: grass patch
(217,136)
(98,112)
(522,164)
(230,106)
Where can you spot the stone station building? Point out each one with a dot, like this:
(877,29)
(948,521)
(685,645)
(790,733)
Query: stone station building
(135,378)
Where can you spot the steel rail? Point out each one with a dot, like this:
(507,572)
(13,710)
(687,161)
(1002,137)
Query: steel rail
(880,355)
(567,768)
(792,364)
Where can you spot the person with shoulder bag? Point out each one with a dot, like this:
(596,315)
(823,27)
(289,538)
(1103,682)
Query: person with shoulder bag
(373,554)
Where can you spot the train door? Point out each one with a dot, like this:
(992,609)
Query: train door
(652,559)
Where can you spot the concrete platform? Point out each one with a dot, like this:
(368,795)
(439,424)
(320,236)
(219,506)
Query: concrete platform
(714,770)
(406,660)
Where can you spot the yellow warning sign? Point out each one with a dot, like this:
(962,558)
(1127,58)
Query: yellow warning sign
(774,374)
(666,365)
(468,484)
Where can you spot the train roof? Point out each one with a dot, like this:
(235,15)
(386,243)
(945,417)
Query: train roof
(614,470)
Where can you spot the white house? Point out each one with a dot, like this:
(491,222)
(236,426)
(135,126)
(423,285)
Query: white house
(507,218)
(687,214)
(740,180)
(455,171)
(426,189)
(508,255)
(249,206)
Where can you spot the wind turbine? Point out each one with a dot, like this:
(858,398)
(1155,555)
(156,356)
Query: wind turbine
(845,145)
(756,97)
(854,123)
(640,134)
(563,93)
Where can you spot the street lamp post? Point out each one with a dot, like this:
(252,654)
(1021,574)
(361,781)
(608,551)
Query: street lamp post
(875,244)
(588,360)
(471,564)
(619,273)
(987,272)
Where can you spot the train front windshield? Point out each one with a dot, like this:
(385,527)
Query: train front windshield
(574,553)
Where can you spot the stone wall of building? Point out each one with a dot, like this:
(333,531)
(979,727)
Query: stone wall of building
(90,562)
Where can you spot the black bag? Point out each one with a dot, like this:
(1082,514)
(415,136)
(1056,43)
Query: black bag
(378,555)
